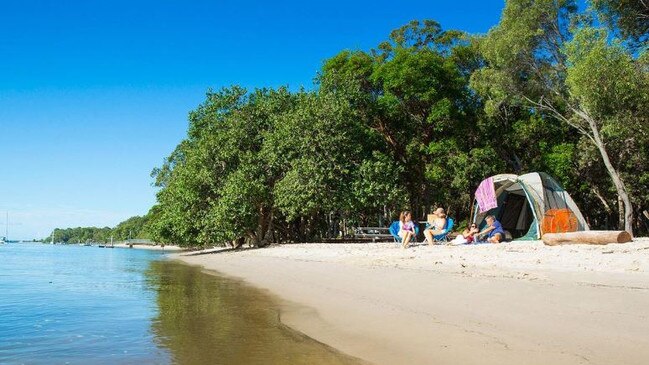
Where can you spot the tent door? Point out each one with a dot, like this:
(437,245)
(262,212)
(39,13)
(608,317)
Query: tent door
(516,215)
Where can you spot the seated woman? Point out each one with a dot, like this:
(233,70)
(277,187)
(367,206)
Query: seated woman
(436,226)
(406,228)
(467,235)
(494,231)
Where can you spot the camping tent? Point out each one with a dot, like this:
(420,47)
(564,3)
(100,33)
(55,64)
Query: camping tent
(530,205)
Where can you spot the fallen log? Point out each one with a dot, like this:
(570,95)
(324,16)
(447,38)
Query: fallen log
(586,237)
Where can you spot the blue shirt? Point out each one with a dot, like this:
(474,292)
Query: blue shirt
(498,228)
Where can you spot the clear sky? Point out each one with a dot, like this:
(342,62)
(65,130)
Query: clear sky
(94,94)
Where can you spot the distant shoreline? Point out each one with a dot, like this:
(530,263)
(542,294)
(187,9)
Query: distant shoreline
(171,248)
(513,303)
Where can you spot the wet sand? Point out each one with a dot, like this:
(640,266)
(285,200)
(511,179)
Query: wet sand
(514,303)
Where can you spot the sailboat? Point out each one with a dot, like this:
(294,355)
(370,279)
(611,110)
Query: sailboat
(5,239)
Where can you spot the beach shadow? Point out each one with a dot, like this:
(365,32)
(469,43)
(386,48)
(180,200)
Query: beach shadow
(218,250)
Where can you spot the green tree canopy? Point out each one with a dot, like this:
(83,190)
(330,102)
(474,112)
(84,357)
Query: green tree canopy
(417,122)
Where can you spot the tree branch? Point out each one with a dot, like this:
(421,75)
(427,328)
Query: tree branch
(550,108)
(601,199)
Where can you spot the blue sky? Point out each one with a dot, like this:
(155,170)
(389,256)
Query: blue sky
(94,94)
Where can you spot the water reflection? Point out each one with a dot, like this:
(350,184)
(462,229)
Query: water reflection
(206,319)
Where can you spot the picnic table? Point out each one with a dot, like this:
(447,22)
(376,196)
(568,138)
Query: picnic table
(373,233)
(380,233)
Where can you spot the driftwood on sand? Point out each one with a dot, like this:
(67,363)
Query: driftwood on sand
(586,237)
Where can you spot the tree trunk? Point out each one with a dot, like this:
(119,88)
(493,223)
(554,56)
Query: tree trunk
(586,237)
(263,225)
(269,237)
(615,176)
(238,243)
(601,199)
(620,212)
(302,230)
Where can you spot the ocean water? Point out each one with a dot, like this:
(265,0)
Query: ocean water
(88,305)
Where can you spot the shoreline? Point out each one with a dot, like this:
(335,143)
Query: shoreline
(514,303)
(170,248)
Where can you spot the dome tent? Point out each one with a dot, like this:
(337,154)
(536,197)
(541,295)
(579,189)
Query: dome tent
(530,205)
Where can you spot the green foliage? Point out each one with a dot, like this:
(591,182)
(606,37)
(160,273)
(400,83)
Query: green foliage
(314,149)
(613,87)
(377,183)
(130,228)
(237,210)
(523,53)
(602,75)
(547,60)
(560,161)
(79,235)
(631,17)
(412,92)
(467,170)
(215,172)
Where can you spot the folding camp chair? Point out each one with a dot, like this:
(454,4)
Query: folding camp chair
(394,231)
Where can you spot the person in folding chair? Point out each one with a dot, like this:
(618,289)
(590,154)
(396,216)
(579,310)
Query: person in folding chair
(404,230)
(407,230)
(438,229)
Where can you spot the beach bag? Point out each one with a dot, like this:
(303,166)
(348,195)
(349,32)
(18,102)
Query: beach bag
(559,221)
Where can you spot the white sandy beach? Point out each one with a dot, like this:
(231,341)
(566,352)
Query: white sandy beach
(513,303)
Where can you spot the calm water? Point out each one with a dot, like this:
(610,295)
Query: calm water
(90,305)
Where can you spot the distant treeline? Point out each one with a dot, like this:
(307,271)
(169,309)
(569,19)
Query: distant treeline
(418,122)
(133,227)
